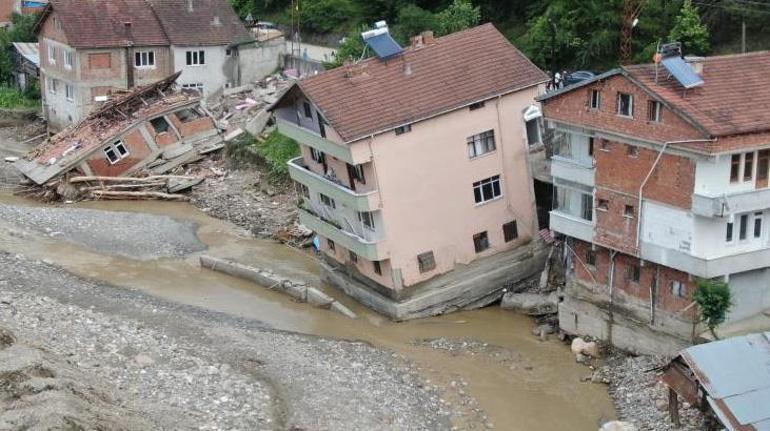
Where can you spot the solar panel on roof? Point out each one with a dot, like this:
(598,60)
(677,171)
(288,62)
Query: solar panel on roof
(384,45)
(682,72)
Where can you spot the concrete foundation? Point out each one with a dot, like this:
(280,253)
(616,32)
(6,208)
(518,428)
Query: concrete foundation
(466,287)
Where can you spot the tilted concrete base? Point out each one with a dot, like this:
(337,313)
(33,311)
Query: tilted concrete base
(466,287)
(584,311)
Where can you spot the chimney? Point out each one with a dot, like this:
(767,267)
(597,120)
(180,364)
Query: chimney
(408,69)
(696,63)
(417,41)
(427,37)
(190,6)
(216,22)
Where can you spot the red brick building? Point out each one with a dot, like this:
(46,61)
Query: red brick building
(658,183)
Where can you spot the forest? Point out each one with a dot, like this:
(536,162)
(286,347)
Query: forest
(555,34)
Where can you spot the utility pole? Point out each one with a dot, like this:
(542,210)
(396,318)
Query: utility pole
(743,36)
(631,10)
(296,38)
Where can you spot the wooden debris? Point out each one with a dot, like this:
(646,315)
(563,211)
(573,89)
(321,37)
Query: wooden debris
(124,195)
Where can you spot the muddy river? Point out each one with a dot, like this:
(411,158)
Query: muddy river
(520,382)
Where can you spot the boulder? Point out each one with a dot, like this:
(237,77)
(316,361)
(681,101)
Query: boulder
(618,426)
(581,346)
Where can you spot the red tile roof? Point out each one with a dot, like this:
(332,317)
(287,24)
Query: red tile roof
(200,22)
(100,23)
(734,99)
(453,71)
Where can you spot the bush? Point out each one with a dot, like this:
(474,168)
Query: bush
(326,16)
(713,299)
(277,150)
(14,98)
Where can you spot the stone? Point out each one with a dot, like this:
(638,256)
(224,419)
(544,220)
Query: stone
(586,348)
(580,358)
(143,360)
(618,426)
(532,304)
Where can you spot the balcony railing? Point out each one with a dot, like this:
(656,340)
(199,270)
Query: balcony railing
(348,234)
(571,225)
(312,139)
(367,201)
(572,170)
(719,206)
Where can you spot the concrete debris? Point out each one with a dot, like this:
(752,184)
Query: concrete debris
(532,304)
(245,106)
(587,348)
(296,289)
(618,426)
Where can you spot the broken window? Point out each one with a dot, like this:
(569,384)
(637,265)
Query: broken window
(481,143)
(330,244)
(625,105)
(353,257)
(654,111)
(634,273)
(595,99)
(475,106)
(510,231)
(748,166)
(367,219)
(317,156)
(302,190)
(533,132)
(356,173)
(377,267)
(327,201)
(628,211)
(115,152)
(159,124)
(487,189)
(308,110)
(426,261)
(590,257)
(195,58)
(735,168)
(605,145)
(144,59)
(603,204)
(188,115)
(406,128)
(480,241)
(678,289)
(632,151)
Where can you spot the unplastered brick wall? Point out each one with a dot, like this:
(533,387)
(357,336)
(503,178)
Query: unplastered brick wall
(573,108)
(674,289)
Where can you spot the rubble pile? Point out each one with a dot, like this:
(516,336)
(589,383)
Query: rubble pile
(243,108)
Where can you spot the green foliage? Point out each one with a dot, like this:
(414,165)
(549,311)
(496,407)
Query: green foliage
(14,98)
(714,301)
(325,16)
(459,15)
(689,30)
(411,21)
(351,49)
(277,150)
(20,31)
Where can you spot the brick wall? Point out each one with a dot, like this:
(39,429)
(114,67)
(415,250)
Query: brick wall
(137,152)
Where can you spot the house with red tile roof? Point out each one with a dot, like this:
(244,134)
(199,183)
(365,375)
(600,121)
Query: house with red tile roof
(661,178)
(89,48)
(413,170)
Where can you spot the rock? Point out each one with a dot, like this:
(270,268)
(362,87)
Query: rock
(580,358)
(532,304)
(618,426)
(661,404)
(587,348)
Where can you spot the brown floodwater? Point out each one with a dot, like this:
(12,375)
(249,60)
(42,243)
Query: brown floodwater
(520,383)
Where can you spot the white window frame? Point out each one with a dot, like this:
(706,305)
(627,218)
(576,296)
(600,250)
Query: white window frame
(481,143)
(678,289)
(195,58)
(198,86)
(69,92)
(595,102)
(51,54)
(143,59)
(119,149)
(69,59)
(52,85)
(656,115)
(327,201)
(479,186)
(630,105)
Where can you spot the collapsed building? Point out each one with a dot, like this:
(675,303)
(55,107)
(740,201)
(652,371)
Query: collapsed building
(154,128)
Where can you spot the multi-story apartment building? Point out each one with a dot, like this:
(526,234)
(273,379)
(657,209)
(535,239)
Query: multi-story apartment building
(660,178)
(90,48)
(413,170)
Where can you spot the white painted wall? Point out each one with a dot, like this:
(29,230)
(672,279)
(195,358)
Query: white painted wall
(668,227)
(712,177)
(750,293)
(212,74)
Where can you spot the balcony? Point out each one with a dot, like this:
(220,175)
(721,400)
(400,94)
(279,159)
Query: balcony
(719,206)
(312,139)
(572,170)
(368,201)
(366,244)
(571,225)
(706,267)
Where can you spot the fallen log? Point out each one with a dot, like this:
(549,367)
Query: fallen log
(107,194)
(85,179)
(124,186)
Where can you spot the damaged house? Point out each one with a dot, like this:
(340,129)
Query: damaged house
(153,128)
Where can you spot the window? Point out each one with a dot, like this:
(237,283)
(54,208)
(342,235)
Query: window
(302,189)
(377,267)
(327,201)
(625,105)
(197,86)
(591,146)
(654,111)
(678,289)
(367,219)
(115,152)
(634,273)
(743,226)
(603,204)
(729,233)
(51,54)
(595,99)
(228,52)
(481,144)
(159,124)
(735,168)
(406,128)
(51,85)
(587,206)
(317,156)
(533,132)
(330,244)
(590,257)
(144,59)
(480,241)
(57,23)
(195,58)
(632,151)
(757,225)
(510,231)
(763,163)
(426,261)
(357,173)
(628,211)
(748,166)
(69,59)
(475,106)
(101,60)
(487,189)
(353,257)
(188,115)
(69,92)
(308,110)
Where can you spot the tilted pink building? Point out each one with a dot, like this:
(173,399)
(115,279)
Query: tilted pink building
(414,171)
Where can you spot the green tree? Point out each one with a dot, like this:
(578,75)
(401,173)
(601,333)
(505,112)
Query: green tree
(352,48)
(326,16)
(413,20)
(459,15)
(714,301)
(689,30)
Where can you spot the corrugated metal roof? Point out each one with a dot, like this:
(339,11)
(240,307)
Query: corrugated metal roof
(28,50)
(736,374)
